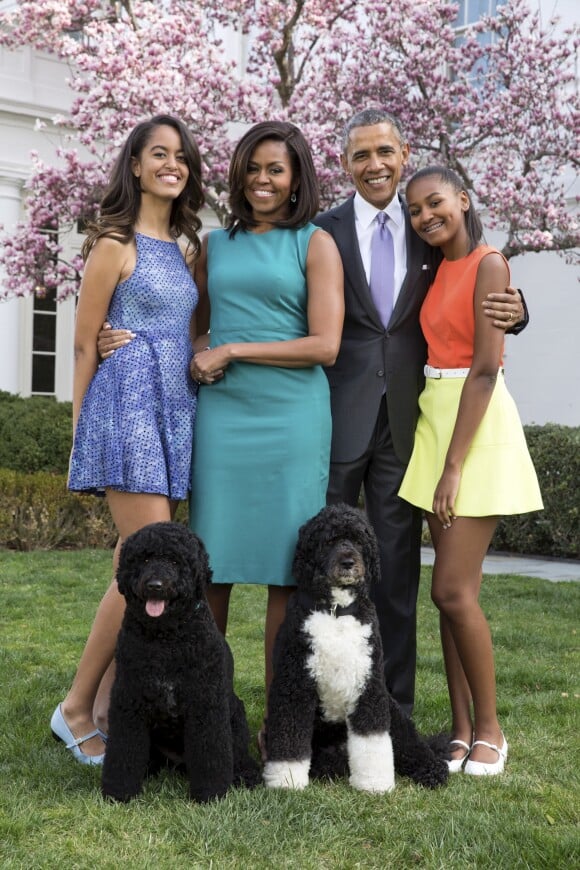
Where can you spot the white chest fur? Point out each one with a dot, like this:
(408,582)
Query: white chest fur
(340,661)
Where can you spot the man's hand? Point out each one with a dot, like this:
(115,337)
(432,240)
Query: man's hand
(108,340)
(506,309)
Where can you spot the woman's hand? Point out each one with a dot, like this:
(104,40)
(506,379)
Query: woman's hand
(445,495)
(208,365)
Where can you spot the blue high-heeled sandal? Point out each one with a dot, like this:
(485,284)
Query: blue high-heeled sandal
(61,731)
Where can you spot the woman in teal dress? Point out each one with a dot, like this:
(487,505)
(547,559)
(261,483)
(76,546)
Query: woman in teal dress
(274,285)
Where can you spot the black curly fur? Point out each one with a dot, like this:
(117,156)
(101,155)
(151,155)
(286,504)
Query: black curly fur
(173,694)
(296,728)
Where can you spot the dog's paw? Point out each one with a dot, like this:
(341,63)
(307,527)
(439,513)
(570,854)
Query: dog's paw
(249,777)
(205,795)
(371,784)
(440,745)
(370,758)
(118,797)
(433,775)
(286,774)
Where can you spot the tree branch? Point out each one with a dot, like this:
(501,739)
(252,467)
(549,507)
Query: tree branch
(284,56)
(312,46)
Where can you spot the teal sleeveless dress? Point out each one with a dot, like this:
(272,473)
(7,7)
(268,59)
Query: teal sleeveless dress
(262,440)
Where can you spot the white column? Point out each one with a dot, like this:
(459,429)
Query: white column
(11,310)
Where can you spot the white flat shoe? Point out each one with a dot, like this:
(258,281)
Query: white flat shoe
(455,764)
(484,768)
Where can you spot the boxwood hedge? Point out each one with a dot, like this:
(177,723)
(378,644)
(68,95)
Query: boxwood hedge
(37,511)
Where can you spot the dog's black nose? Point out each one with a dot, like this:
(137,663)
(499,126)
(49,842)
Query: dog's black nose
(347,562)
(154,585)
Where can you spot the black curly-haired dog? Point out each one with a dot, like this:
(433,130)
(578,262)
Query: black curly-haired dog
(329,711)
(173,693)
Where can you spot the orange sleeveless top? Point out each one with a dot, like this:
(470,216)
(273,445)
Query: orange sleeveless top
(448,316)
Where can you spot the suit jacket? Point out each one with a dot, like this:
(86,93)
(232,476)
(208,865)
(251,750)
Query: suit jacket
(372,357)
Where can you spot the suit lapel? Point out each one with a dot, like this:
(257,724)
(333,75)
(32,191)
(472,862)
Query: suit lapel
(347,240)
(421,265)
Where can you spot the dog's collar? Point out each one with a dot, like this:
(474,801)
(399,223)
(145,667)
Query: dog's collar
(309,602)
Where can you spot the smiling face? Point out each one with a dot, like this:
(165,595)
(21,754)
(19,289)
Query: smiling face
(269,182)
(161,167)
(437,213)
(374,158)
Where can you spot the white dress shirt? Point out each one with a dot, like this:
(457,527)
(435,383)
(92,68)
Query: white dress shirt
(365,215)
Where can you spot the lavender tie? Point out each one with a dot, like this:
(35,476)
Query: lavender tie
(382,278)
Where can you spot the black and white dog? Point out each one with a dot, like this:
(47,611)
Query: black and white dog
(173,695)
(328,709)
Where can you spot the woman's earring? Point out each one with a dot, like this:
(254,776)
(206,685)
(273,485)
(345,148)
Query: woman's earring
(293,197)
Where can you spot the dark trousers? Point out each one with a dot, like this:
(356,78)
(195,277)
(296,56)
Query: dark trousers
(397,526)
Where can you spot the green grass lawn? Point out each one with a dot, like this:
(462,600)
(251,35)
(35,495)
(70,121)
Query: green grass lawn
(52,814)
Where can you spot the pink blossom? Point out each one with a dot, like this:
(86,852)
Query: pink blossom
(503,112)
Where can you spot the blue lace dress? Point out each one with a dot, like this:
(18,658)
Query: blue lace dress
(135,428)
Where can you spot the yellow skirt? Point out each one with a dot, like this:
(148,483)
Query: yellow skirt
(498,477)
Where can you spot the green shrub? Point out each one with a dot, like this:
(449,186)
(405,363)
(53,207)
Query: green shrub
(555,531)
(36,511)
(35,434)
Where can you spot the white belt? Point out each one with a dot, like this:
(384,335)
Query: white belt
(431,372)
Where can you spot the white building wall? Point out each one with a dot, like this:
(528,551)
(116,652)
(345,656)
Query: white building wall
(10,312)
(32,86)
(542,365)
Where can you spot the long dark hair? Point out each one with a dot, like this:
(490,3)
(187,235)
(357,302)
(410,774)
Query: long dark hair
(449,176)
(307,193)
(119,207)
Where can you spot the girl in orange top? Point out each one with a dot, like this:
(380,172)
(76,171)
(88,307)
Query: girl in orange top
(470,462)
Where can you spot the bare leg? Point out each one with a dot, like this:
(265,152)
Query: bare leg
(458,687)
(218,598)
(278,597)
(130,511)
(101,702)
(468,647)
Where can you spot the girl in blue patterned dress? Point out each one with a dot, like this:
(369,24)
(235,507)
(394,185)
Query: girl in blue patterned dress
(133,415)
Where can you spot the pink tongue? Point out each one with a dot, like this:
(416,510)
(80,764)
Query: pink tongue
(155,608)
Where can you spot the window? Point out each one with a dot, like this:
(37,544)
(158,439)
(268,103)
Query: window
(471,11)
(44,344)
(468,13)
(44,337)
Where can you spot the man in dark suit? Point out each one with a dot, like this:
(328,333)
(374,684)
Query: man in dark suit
(378,376)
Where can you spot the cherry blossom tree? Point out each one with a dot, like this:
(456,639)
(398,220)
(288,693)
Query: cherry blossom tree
(500,104)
